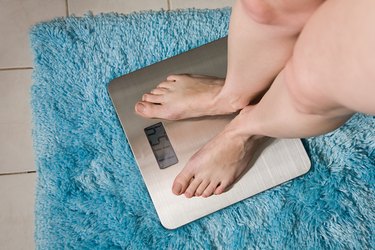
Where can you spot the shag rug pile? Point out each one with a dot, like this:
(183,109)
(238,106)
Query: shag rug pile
(90,194)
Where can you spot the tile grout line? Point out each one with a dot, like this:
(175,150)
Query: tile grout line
(17,173)
(67,8)
(169,4)
(15,68)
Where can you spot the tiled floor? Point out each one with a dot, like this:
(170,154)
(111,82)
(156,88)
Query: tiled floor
(17,169)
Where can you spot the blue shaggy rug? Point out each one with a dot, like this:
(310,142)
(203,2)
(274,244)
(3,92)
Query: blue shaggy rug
(90,194)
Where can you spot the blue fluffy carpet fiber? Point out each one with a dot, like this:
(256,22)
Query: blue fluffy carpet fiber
(90,194)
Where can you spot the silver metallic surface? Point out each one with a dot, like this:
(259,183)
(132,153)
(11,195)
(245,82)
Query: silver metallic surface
(280,161)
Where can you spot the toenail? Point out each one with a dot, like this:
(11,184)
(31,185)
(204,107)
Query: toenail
(140,107)
(179,189)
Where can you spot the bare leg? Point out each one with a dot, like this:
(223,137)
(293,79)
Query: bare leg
(329,77)
(262,34)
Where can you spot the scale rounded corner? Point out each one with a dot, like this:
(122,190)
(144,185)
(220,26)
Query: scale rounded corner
(167,225)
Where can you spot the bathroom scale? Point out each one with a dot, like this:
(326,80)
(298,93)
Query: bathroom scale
(162,148)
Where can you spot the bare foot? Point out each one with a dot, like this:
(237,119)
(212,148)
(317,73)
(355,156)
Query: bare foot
(185,96)
(217,165)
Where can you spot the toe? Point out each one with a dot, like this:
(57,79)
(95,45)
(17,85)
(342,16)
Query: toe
(165,85)
(221,188)
(210,189)
(139,108)
(153,98)
(181,182)
(202,187)
(173,78)
(159,91)
(149,110)
(154,110)
(192,188)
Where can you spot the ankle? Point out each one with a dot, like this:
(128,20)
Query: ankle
(244,136)
(243,125)
(238,103)
(233,102)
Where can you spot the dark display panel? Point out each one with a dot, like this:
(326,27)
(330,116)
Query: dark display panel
(161,146)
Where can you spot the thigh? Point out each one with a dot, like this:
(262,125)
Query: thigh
(333,61)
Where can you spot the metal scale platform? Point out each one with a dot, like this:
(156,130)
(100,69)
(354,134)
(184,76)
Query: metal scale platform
(162,148)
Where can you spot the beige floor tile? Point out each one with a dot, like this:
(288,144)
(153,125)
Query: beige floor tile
(121,6)
(16,153)
(16,17)
(17,197)
(201,4)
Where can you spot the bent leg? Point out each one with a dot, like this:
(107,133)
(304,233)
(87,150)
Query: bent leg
(328,78)
(262,34)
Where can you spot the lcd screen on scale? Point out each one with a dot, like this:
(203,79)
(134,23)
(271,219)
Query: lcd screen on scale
(161,146)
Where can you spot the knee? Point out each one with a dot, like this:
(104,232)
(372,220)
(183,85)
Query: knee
(292,13)
(304,95)
(260,11)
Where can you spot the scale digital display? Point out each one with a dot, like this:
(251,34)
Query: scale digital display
(161,146)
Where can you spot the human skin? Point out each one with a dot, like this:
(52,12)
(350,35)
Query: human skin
(325,76)
(260,41)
